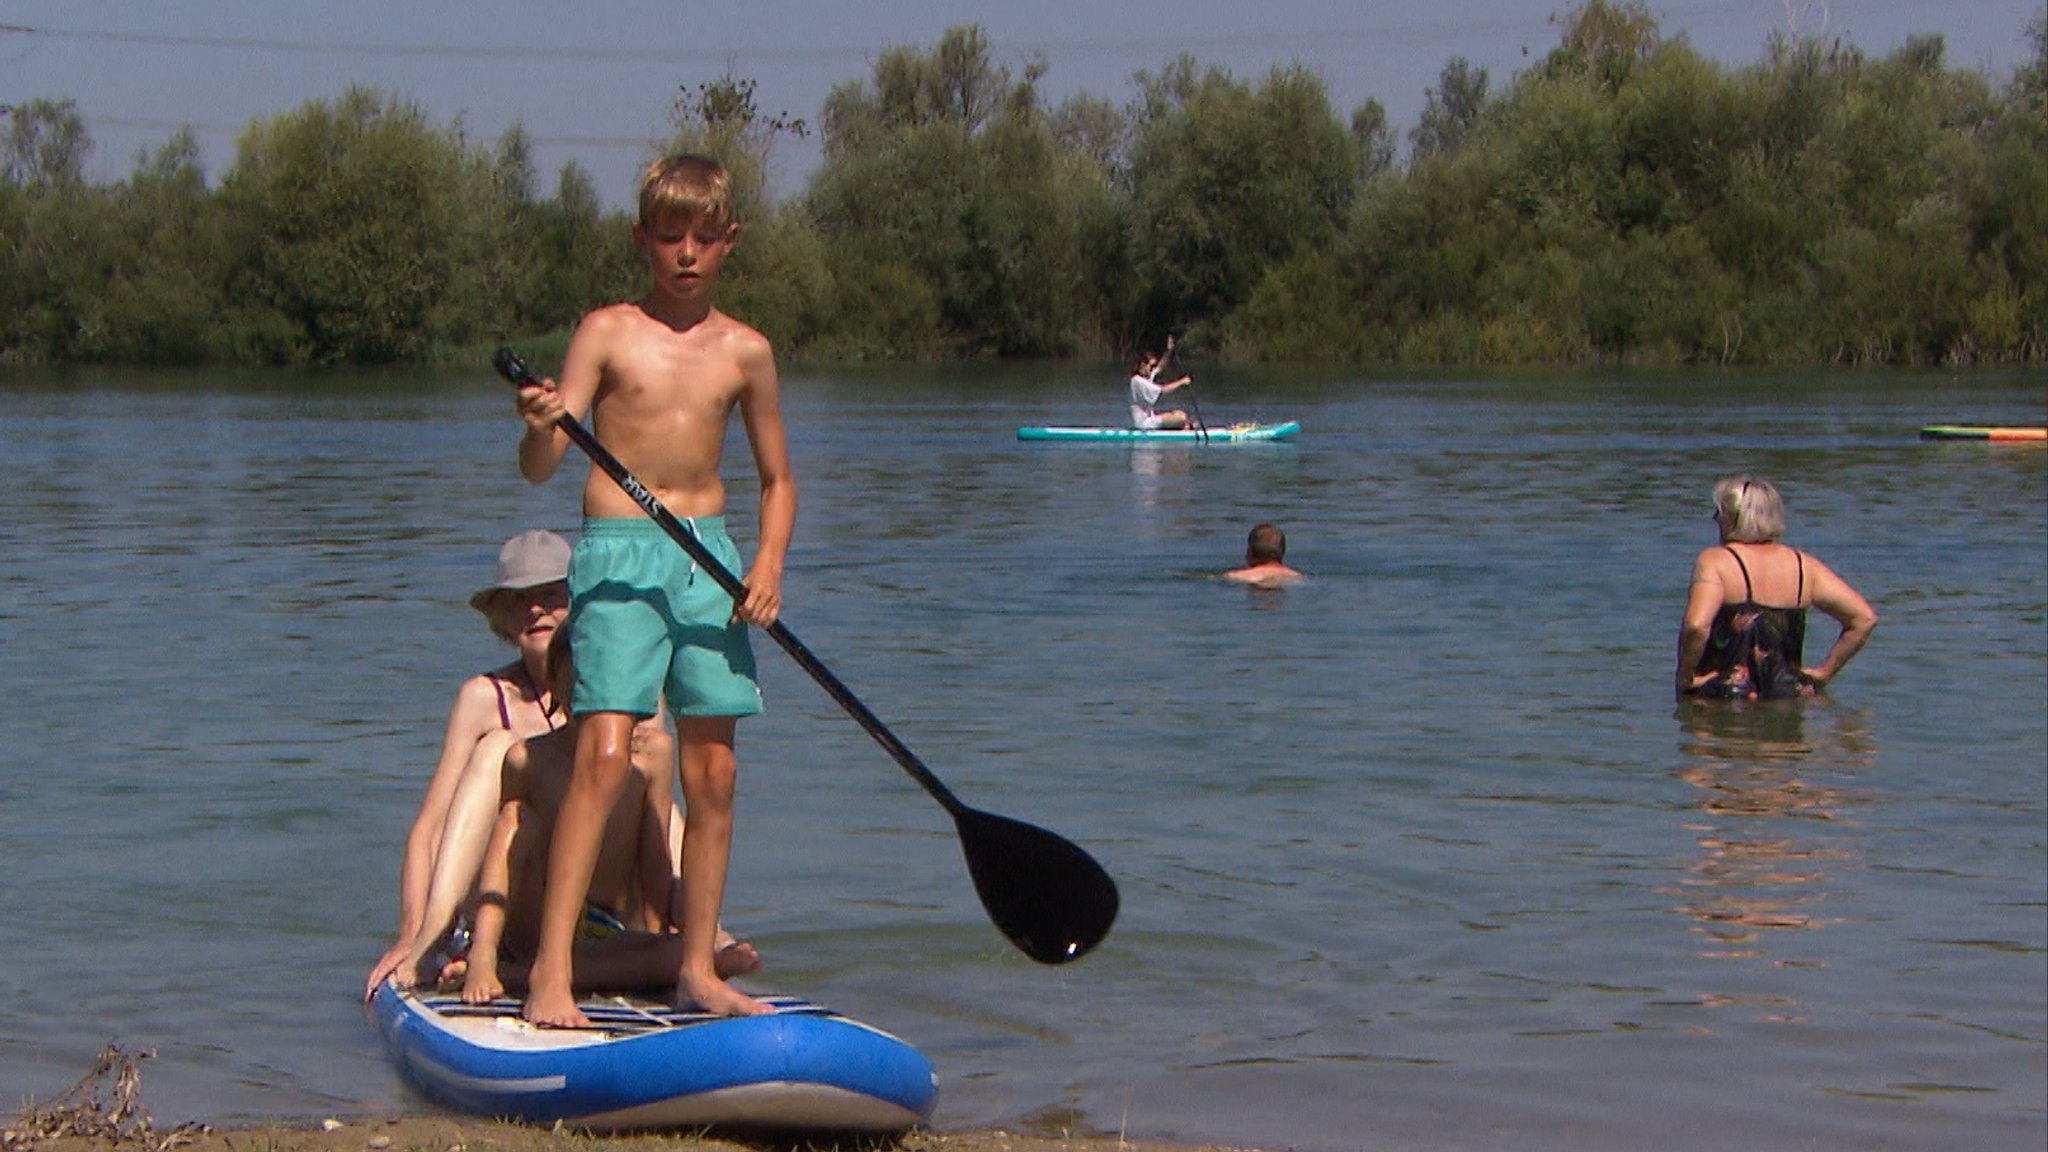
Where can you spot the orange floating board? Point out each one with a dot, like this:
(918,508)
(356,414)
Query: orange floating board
(1972,432)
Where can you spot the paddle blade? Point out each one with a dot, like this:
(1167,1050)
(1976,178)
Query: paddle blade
(1048,896)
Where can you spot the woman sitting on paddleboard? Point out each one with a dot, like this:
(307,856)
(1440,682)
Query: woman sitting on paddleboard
(525,604)
(1146,391)
(1744,629)
(499,852)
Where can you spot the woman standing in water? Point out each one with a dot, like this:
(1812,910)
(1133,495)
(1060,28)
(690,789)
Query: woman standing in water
(1744,632)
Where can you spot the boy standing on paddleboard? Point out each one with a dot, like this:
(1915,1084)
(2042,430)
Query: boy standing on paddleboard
(659,379)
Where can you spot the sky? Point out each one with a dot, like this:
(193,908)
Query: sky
(595,80)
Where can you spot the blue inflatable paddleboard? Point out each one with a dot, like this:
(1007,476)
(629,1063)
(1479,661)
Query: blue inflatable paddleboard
(645,1066)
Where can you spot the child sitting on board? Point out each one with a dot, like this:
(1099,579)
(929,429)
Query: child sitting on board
(623,944)
(1146,391)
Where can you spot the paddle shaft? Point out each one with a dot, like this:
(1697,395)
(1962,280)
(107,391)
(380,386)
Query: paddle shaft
(833,686)
(1201,425)
(1042,891)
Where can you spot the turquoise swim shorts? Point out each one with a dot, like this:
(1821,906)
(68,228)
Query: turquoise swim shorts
(644,621)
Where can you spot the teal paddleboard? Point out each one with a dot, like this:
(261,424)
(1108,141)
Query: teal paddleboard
(1234,434)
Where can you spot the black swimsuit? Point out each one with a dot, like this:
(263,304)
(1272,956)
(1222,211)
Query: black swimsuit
(1755,651)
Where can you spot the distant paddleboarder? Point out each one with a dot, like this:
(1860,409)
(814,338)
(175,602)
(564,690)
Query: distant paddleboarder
(1146,391)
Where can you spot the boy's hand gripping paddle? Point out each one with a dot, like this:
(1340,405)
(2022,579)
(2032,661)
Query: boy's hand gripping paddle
(1045,893)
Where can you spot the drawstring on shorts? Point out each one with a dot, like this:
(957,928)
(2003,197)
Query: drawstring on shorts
(691,580)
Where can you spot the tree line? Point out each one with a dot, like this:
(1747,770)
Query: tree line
(1622,199)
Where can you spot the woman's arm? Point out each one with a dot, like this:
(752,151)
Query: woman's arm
(1702,602)
(1832,595)
(473,713)
(465,838)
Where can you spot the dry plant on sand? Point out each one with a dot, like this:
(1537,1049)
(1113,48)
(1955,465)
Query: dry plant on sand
(104,1107)
(103,1112)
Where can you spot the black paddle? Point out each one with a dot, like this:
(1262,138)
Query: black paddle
(1045,893)
(1201,425)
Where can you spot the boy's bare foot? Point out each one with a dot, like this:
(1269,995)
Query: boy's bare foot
(481,985)
(718,998)
(553,1006)
(453,973)
(735,958)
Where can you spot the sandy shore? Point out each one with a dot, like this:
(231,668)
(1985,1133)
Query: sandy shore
(441,1134)
(104,1111)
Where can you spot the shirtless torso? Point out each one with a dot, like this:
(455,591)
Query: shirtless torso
(1268,575)
(659,379)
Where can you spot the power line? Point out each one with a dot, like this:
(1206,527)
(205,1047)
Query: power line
(215,128)
(670,55)
(345,48)
(456,51)
(1672,18)
(1266,37)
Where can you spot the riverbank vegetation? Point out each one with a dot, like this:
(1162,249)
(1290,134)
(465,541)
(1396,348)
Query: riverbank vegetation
(1621,199)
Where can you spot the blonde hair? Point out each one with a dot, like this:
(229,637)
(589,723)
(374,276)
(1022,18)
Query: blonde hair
(688,189)
(1750,509)
(492,608)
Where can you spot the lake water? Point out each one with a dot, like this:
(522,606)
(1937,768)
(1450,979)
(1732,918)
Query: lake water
(1418,855)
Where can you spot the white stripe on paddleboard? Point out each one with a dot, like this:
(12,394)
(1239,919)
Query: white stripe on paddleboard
(454,1079)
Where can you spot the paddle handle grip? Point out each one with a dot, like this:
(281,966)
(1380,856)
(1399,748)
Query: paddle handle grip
(515,371)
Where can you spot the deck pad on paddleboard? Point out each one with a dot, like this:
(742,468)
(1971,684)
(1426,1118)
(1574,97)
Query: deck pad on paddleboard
(644,1065)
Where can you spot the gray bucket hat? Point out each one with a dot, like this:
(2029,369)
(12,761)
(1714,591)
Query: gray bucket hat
(527,560)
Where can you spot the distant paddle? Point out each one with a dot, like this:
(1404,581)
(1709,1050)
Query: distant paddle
(1201,425)
(1045,893)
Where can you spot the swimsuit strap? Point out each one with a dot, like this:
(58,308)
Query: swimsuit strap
(504,712)
(547,710)
(1799,597)
(1748,593)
